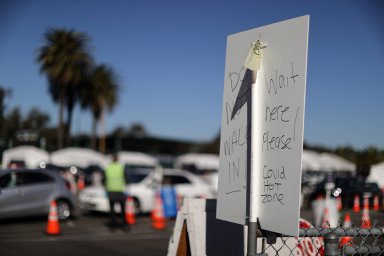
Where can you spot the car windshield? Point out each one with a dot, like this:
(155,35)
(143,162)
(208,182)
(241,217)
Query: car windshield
(138,166)
(136,175)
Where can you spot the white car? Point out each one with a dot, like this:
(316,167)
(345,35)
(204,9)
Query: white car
(143,184)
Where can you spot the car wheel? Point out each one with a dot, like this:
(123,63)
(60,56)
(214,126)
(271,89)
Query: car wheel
(64,210)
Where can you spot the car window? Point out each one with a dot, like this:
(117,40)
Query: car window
(175,179)
(16,164)
(136,177)
(29,178)
(138,166)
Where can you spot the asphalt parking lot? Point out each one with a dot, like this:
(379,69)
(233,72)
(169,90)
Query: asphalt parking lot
(88,235)
(84,235)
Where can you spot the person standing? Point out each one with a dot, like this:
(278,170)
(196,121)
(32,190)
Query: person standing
(115,187)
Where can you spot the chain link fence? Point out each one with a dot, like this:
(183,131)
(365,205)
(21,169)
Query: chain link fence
(328,241)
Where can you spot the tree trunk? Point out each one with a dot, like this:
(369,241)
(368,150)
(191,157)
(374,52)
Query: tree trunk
(68,125)
(93,136)
(102,144)
(60,124)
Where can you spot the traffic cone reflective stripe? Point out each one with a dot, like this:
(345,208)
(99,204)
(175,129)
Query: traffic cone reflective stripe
(366,220)
(130,211)
(356,204)
(376,206)
(53,226)
(158,219)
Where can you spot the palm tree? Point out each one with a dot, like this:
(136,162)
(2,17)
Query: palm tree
(66,60)
(100,95)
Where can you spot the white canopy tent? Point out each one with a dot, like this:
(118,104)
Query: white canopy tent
(137,159)
(333,162)
(377,174)
(32,156)
(325,162)
(201,161)
(310,160)
(79,157)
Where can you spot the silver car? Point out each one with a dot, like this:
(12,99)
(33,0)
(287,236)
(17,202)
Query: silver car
(25,192)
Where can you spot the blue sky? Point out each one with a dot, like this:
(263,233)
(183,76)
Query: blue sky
(170,57)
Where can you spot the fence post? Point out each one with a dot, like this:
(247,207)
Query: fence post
(331,244)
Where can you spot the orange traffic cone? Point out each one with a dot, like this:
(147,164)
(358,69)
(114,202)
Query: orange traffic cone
(366,220)
(53,226)
(80,183)
(346,240)
(347,221)
(130,211)
(356,204)
(158,219)
(376,206)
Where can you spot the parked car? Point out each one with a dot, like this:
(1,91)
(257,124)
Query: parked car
(89,173)
(142,186)
(25,192)
(350,187)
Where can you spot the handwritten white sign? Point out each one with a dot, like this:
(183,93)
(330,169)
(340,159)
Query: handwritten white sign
(273,124)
